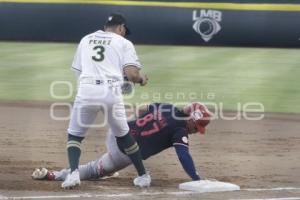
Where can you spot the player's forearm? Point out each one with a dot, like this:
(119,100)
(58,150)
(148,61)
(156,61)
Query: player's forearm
(187,162)
(133,74)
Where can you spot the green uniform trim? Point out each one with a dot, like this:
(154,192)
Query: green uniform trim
(73,143)
(132,149)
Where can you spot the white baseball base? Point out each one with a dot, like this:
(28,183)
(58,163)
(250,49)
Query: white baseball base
(208,186)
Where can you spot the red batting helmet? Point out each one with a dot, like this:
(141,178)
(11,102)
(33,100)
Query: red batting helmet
(200,115)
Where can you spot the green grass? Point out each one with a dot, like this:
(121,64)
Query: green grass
(218,74)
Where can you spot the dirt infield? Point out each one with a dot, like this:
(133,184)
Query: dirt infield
(253,154)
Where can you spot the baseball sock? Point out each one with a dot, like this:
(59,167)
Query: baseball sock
(128,145)
(74,151)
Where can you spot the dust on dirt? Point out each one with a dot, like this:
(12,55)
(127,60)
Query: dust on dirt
(248,153)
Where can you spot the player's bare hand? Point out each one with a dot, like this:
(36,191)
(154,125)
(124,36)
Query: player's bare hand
(144,80)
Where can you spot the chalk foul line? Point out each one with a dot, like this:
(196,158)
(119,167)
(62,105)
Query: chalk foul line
(123,195)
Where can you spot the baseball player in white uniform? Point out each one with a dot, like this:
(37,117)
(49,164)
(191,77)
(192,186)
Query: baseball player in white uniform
(101,60)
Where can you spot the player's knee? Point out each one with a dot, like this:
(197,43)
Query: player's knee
(75,138)
(127,144)
(105,166)
(120,131)
(77,132)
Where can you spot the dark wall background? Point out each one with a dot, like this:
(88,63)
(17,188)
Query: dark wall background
(149,25)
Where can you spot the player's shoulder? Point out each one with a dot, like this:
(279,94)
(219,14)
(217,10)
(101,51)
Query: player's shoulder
(87,37)
(98,33)
(180,136)
(128,42)
(161,104)
(181,130)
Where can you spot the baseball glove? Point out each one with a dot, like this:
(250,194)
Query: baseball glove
(127,87)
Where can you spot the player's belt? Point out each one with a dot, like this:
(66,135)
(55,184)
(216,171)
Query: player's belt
(94,81)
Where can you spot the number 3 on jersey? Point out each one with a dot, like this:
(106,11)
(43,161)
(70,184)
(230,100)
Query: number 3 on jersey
(99,53)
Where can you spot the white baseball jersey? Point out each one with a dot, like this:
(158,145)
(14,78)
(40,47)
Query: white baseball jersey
(103,55)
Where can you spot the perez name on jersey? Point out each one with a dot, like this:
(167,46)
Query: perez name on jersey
(100,41)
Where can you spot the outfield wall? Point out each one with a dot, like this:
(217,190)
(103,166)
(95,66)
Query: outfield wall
(181,24)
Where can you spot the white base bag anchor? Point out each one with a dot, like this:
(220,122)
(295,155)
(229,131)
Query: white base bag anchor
(208,186)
